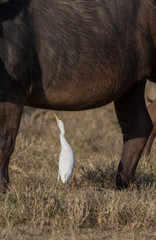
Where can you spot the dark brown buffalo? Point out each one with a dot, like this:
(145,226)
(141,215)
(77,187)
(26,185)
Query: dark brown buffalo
(74,55)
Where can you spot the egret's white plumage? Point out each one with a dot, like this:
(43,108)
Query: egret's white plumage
(67,158)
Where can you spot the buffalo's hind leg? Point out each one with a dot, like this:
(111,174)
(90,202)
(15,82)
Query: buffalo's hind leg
(136,126)
(10,114)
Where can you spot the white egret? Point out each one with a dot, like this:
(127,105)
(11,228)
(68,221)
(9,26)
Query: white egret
(67,158)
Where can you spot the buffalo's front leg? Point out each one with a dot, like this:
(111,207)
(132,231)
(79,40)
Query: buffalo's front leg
(136,126)
(10,114)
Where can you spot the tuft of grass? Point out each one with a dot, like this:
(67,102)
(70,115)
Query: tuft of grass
(88,206)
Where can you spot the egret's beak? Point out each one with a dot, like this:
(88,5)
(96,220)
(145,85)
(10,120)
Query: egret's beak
(57,119)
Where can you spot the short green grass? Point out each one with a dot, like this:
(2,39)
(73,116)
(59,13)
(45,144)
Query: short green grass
(87,207)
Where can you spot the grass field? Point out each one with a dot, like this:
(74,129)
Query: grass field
(87,207)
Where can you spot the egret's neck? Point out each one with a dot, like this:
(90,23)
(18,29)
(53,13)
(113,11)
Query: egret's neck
(62,132)
(62,135)
(63,140)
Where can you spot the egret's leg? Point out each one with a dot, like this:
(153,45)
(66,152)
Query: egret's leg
(58,177)
(136,126)
(57,180)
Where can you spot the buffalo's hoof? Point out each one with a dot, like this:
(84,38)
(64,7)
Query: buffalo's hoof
(3,186)
(119,182)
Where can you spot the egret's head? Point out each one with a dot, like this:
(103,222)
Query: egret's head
(60,124)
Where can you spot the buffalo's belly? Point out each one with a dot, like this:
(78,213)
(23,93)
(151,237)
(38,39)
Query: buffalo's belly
(85,61)
(80,94)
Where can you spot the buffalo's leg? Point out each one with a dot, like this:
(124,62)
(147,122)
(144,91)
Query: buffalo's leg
(149,143)
(10,114)
(136,126)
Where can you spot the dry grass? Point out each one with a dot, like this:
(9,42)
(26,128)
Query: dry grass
(86,208)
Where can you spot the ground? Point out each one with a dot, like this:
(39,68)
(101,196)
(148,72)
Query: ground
(87,207)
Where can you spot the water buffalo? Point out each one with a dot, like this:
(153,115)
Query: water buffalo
(75,55)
